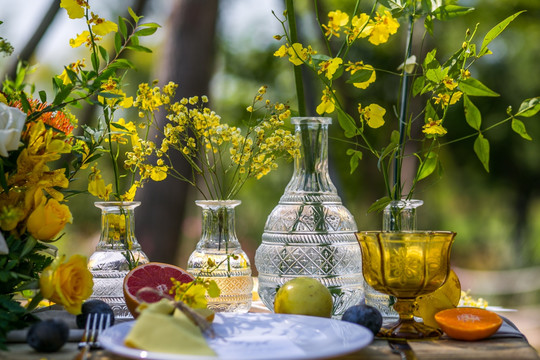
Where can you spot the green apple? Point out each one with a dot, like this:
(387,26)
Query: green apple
(304,296)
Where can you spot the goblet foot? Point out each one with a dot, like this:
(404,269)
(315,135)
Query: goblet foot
(409,330)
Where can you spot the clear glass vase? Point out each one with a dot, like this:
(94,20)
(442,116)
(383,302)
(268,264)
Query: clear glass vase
(117,251)
(219,244)
(310,233)
(398,216)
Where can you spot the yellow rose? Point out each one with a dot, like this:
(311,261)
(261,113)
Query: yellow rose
(48,219)
(67,283)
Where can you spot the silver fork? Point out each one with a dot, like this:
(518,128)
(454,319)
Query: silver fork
(95,324)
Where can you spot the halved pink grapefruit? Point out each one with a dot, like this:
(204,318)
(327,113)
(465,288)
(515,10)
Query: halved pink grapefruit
(154,275)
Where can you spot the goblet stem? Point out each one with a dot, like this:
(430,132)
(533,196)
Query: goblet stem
(407,327)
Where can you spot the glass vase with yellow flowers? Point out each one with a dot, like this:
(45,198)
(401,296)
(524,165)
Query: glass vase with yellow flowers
(222,158)
(436,86)
(42,149)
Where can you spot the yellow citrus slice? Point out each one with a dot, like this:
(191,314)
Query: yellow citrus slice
(468,323)
(445,297)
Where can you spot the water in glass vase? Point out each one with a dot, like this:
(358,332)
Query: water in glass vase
(219,257)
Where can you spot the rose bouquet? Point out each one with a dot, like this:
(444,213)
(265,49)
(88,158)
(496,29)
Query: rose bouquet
(35,135)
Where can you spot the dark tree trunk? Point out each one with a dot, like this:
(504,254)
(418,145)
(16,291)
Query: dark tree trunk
(187,60)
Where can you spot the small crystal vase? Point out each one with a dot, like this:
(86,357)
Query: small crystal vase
(117,251)
(218,256)
(310,233)
(397,216)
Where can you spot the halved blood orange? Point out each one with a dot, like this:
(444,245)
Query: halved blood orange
(153,275)
(467,323)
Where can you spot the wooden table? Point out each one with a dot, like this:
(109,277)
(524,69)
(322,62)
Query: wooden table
(492,349)
(509,345)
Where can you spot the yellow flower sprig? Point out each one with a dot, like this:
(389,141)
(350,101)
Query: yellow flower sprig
(441,86)
(224,156)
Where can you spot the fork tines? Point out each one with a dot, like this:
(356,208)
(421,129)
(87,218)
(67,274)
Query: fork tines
(95,324)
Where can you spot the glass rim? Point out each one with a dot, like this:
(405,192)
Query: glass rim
(115,203)
(217,203)
(323,120)
(408,232)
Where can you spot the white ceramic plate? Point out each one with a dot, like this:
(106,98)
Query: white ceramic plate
(259,337)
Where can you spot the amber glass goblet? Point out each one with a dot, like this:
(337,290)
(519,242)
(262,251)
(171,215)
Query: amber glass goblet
(406,265)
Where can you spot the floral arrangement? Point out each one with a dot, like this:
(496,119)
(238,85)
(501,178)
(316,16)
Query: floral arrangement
(220,154)
(438,85)
(35,133)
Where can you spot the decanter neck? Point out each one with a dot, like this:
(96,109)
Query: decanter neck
(311,164)
(400,215)
(218,225)
(118,225)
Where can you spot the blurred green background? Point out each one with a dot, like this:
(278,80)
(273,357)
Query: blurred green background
(496,214)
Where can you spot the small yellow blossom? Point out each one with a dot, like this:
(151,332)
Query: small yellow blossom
(249,108)
(104,27)
(382,27)
(96,185)
(336,20)
(82,38)
(327,104)
(360,27)
(433,127)
(330,67)
(74,8)
(465,74)
(449,83)
(446,99)
(372,115)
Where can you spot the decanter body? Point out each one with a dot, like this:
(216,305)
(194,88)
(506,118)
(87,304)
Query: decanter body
(219,257)
(117,251)
(310,233)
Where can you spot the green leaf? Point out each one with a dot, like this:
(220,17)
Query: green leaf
(356,156)
(418,85)
(152,25)
(496,31)
(122,63)
(472,114)
(394,137)
(122,26)
(133,15)
(28,246)
(430,62)
(380,204)
(481,148)
(146,32)
(43,96)
(117,42)
(436,75)
(448,12)
(360,76)
(104,54)
(428,166)
(139,48)
(347,123)
(529,107)
(213,289)
(473,87)
(519,127)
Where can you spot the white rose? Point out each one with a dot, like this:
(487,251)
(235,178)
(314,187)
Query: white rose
(11,125)
(3,245)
